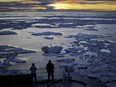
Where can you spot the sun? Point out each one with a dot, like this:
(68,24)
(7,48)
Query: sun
(59,6)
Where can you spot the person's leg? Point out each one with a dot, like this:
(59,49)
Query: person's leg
(32,76)
(52,74)
(48,76)
(35,78)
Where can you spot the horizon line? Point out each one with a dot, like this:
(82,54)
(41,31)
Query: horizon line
(60,10)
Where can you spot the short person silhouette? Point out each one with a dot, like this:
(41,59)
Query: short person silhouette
(33,70)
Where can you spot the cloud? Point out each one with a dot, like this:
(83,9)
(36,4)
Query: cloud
(11,0)
(57,4)
(24,5)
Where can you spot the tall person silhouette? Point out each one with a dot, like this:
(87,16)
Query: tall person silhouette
(50,70)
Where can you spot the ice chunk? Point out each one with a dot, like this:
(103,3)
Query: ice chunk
(105,50)
(53,49)
(84,37)
(92,76)
(66,60)
(18,60)
(111,84)
(47,33)
(49,38)
(104,78)
(3,65)
(74,49)
(8,33)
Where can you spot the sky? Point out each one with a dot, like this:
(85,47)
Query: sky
(48,5)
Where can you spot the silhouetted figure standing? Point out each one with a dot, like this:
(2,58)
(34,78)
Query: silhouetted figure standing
(50,70)
(33,70)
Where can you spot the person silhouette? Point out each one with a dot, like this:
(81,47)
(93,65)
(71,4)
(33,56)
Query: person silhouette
(50,70)
(33,70)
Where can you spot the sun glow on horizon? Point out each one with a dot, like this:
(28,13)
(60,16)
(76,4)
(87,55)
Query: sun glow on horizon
(84,6)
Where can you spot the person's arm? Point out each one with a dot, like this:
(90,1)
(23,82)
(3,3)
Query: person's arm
(30,68)
(36,68)
(47,66)
(53,66)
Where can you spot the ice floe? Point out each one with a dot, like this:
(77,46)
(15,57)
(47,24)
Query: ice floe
(47,33)
(100,58)
(52,49)
(90,28)
(9,54)
(84,37)
(65,60)
(49,38)
(7,33)
(73,49)
(18,60)
(105,50)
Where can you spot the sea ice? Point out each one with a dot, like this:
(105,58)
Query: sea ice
(49,38)
(8,53)
(111,85)
(105,50)
(52,49)
(18,60)
(73,49)
(47,33)
(7,33)
(65,60)
(84,37)
(2,65)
